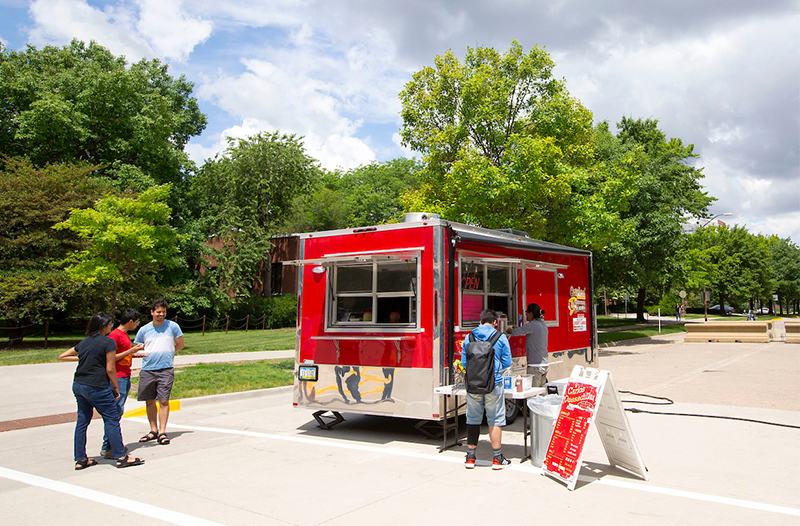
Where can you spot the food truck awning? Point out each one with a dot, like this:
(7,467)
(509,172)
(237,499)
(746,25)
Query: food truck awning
(523,263)
(360,257)
(493,237)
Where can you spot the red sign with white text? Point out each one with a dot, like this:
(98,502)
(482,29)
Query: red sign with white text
(572,426)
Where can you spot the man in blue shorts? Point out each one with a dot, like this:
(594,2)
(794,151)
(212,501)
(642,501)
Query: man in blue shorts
(493,403)
(162,339)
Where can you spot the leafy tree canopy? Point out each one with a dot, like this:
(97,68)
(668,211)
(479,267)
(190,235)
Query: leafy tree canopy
(505,146)
(367,195)
(785,263)
(80,103)
(665,190)
(245,195)
(32,200)
(733,263)
(127,238)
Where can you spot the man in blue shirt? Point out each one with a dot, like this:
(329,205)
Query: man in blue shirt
(162,339)
(493,403)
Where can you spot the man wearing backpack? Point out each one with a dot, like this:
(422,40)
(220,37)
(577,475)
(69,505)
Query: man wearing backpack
(492,402)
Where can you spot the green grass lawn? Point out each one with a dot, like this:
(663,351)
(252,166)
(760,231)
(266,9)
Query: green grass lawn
(640,332)
(217,378)
(605,322)
(196,343)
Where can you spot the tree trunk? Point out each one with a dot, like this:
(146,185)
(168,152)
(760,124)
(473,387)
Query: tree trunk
(114,301)
(640,305)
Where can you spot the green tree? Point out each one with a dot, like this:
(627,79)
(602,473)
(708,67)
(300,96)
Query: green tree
(505,146)
(367,195)
(374,191)
(732,262)
(666,190)
(246,195)
(80,103)
(127,239)
(321,209)
(785,263)
(32,200)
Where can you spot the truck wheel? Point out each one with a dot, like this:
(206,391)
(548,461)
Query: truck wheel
(512,411)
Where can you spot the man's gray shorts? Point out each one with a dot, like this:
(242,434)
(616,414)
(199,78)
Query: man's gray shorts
(155,385)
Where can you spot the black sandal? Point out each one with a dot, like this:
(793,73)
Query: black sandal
(163,439)
(123,462)
(85,463)
(152,435)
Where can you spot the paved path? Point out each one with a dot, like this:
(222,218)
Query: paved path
(28,391)
(254,459)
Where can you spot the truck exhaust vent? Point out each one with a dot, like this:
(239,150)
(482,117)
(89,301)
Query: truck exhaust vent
(518,233)
(419,216)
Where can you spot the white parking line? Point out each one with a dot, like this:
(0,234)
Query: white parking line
(645,487)
(132,506)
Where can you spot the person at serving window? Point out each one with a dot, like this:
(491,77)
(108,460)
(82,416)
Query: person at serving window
(535,331)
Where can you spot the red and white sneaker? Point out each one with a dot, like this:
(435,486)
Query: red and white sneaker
(469,463)
(500,462)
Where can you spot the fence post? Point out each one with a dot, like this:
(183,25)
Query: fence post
(204,324)
(263,321)
(227,321)
(46,330)
(246,322)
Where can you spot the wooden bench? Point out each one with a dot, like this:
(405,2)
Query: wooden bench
(792,331)
(729,331)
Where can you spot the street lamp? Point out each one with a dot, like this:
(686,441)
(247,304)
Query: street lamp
(716,216)
(705,295)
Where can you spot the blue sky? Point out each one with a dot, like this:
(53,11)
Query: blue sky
(722,75)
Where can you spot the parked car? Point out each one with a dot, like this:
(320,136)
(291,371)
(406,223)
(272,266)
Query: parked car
(715,308)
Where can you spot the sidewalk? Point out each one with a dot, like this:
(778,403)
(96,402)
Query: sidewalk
(38,390)
(253,459)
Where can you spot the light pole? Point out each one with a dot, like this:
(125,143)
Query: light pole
(705,295)
(716,216)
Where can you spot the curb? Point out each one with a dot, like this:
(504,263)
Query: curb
(227,397)
(661,339)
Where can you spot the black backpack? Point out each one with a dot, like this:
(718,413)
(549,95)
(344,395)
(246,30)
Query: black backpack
(480,364)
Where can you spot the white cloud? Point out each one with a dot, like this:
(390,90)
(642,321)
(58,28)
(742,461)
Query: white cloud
(59,21)
(140,29)
(336,151)
(332,151)
(171,32)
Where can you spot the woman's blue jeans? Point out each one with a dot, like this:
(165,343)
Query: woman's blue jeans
(124,388)
(90,398)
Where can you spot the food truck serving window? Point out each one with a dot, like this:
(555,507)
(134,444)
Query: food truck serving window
(378,292)
(484,286)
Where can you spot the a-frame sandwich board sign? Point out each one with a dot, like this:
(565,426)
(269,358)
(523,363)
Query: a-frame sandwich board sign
(590,397)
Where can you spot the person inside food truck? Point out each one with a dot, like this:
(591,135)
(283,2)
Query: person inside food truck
(494,402)
(535,331)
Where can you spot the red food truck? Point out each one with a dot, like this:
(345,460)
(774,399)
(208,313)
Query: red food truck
(382,310)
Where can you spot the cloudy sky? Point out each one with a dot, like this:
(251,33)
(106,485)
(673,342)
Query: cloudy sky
(723,75)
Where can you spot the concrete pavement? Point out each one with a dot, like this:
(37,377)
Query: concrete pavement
(252,458)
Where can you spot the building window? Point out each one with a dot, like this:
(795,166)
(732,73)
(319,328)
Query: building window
(484,286)
(380,292)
